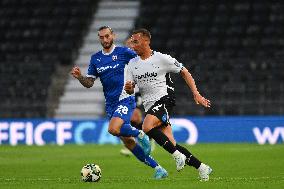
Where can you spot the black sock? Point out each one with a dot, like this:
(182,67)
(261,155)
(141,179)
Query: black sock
(190,159)
(162,140)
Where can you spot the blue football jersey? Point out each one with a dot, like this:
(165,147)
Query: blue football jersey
(109,67)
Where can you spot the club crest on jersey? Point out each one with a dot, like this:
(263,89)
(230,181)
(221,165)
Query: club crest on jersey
(114,57)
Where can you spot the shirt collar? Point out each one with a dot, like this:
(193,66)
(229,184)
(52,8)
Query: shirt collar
(113,47)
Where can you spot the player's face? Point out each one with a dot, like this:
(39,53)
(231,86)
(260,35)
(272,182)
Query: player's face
(138,43)
(106,38)
(128,43)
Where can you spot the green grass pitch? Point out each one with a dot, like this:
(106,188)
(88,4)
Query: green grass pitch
(237,166)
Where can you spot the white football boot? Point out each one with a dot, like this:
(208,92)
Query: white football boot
(204,172)
(180,160)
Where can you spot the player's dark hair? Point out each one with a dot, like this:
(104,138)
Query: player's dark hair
(105,27)
(142,31)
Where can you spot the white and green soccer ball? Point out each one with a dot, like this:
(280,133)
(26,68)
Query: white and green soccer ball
(91,173)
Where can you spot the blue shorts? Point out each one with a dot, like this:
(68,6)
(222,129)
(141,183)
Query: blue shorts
(123,109)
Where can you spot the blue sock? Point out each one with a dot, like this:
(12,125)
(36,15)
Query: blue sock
(148,160)
(151,162)
(127,130)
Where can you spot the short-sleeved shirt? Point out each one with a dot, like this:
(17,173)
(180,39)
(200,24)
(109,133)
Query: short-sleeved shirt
(110,68)
(152,76)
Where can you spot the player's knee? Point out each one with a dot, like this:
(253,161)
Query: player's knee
(150,122)
(115,125)
(146,128)
(114,130)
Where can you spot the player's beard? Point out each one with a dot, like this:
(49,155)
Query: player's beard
(107,45)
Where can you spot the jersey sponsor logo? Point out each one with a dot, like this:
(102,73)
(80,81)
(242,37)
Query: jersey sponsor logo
(122,110)
(146,75)
(101,69)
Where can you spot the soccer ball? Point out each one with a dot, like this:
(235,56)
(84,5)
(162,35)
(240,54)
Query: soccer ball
(91,173)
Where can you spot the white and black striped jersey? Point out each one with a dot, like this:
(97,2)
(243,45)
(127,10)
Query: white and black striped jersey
(152,76)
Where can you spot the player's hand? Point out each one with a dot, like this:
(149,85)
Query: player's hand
(129,87)
(76,72)
(201,100)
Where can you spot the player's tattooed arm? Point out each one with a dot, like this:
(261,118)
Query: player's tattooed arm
(85,81)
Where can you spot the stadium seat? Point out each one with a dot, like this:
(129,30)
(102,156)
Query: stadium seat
(232,48)
(35,37)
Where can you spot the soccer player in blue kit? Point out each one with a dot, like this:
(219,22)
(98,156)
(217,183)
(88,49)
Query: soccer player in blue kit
(108,64)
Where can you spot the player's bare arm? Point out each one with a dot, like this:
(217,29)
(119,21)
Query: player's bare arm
(191,84)
(129,87)
(85,81)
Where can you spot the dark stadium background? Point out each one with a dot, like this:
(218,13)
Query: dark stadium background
(234,50)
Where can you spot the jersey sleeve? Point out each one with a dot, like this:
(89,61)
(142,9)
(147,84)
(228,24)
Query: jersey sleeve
(128,73)
(92,71)
(130,53)
(172,64)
